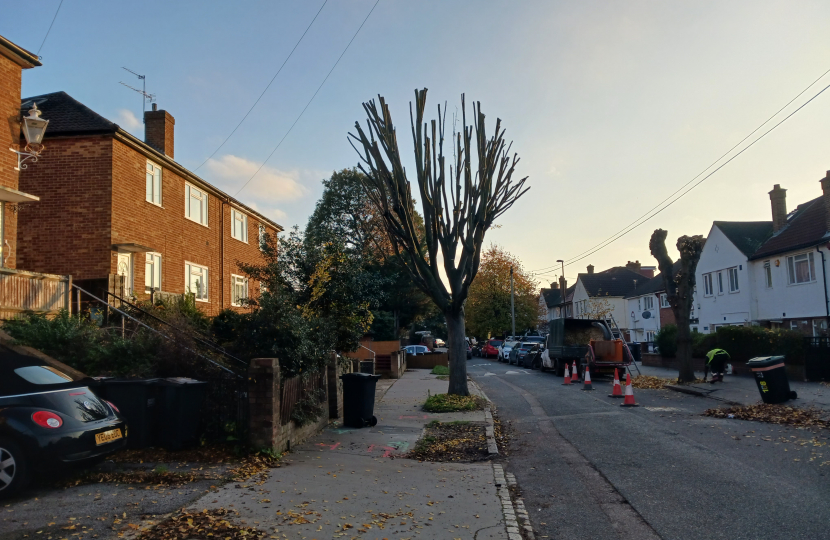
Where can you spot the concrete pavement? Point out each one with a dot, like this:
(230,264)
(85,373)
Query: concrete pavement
(741,389)
(354,483)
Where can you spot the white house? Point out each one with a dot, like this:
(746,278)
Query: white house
(598,294)
(643,307)
(724,288)
(768,273)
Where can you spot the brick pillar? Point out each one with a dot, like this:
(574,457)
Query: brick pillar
(264,400)
(335,387)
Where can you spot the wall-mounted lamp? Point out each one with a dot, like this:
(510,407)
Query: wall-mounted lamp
(34,127)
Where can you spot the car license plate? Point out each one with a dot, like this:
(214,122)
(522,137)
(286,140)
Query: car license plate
(108,436)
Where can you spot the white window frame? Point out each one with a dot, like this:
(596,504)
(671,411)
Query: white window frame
(708,288)
(236,215)
(768,274)
(235,280)
(648,302)
(153,260)
(192,192)
(811,268)
(153,184)
(720,283)
(734,282)
(664,301)
(190,271)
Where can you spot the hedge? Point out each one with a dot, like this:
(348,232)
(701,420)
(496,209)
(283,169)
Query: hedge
(741,342)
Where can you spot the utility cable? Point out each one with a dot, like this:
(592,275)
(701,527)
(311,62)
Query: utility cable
(621,234)
(310,100)
(266,88)
(50,29)
(696,177)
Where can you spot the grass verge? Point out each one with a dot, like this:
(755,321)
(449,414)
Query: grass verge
(438,403)
(440,370)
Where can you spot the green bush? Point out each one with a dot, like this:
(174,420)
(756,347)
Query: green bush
(440,370)
(452,403)
(666,340)
(746,342)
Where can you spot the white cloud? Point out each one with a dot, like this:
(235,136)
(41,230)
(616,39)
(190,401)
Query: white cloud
(269,186)
(127,120)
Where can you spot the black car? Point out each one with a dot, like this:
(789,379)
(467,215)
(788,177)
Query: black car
(48,421)
(521,351)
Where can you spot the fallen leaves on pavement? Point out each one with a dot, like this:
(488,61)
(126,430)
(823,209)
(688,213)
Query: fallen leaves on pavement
(205,524)
(654,383)
(159,478)
(451,441)
(774,414)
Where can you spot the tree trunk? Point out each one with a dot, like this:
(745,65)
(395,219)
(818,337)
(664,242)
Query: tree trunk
(686,371)
(457,350)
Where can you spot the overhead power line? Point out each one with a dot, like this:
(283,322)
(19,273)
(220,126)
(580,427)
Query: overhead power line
(50,28)
(266,87)
(310,100)
(623,233)
(635,223)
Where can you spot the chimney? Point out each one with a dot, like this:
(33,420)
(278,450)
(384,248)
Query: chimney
(554,285)
(634,266)
(158,130)
(564,286)
(778,197)
(590,268)
(825,188)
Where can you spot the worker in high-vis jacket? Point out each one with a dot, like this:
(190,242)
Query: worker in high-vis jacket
(716,362)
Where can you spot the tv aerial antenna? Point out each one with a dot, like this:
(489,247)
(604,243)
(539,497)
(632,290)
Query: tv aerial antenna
(145,97)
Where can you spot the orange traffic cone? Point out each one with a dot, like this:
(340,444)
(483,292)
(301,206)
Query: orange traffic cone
(617,392)
(575,373)
(586,385)
(567,380)
(629,393)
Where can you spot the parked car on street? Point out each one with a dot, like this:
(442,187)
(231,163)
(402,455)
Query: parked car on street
(50,421)
(505,348)
(440,342)
(416,349)
(491,348)
(476,350)
(533,357)
(520,351)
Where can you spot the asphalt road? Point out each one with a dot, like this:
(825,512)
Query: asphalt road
(588,468)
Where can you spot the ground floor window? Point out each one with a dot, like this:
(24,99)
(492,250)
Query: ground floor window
(196,281)
(239,290)
(152,272)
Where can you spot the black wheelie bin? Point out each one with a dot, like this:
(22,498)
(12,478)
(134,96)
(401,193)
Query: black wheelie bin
(359,399)
(771,378)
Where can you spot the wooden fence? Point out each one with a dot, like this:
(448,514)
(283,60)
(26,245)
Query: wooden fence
(29,291)
(298,388)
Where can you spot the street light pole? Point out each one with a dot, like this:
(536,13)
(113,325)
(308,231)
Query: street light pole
(512,305)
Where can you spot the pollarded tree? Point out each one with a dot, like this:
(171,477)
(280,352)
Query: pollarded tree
(680,286)
(459,204)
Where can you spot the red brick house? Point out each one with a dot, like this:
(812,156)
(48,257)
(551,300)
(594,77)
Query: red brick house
(113,204)
(13,60)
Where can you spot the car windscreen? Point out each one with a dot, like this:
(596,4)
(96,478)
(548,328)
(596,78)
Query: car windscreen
(535,339)
(526,346)
(42,375)
(495,343)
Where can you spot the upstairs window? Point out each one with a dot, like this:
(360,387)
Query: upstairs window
(153,183)
(664,301)
(768,274)
(801,269)
(196,204)
(648,302)
(196,281)
(239,225)
(733,279)
(708,290)
(239,290)
(152,271)
(720,282)
(262,234)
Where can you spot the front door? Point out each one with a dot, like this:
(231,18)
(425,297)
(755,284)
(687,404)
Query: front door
(125,268)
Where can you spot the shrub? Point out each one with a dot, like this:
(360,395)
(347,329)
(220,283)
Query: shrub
(440,370)
(666,340)
(746,342)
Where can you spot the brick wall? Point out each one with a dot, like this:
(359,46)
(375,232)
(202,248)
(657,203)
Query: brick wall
(266,430)
(10,80)
(68,231)
(93,195)
(666,315)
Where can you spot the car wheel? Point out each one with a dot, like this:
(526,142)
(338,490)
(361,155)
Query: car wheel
(14,473)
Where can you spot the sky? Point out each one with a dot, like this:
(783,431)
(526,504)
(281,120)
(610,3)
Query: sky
(611,106)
